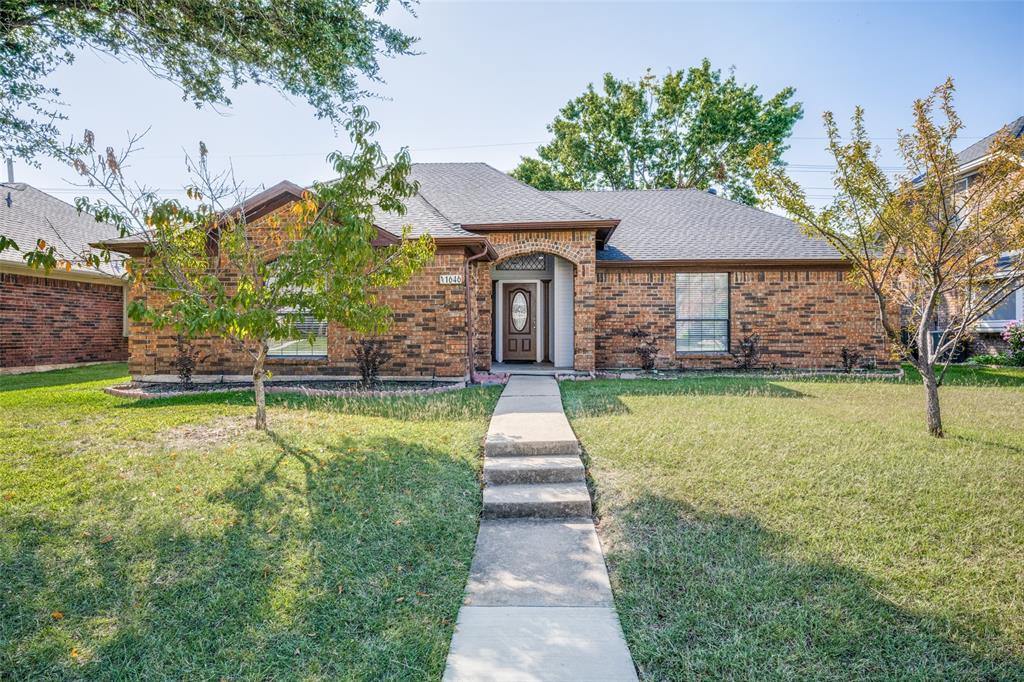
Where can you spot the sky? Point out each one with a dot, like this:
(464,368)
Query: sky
(490,76)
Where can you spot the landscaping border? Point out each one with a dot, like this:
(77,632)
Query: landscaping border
(140,392)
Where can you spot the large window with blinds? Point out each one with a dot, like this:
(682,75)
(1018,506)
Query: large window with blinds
(311,341)
(702,312)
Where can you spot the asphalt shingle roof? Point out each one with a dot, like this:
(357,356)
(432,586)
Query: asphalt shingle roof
(33,215)
(690,224)
(981,147)
(421,218)
(477,194)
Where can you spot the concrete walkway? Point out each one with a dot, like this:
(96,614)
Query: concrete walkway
(538,604)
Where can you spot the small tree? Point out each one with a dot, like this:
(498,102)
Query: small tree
(210,272)
(646,348)
(923,243)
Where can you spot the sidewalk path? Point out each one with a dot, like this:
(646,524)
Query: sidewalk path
(538,604)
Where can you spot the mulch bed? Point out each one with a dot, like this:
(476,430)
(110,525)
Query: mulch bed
(327,389)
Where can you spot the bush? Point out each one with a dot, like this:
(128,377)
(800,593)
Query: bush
(371,356)
(749,353)
(1014,336)
(186,357)
(850,359)
(646,348)
(990,359)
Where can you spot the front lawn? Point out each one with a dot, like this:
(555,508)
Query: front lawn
(810,529)
(164,539)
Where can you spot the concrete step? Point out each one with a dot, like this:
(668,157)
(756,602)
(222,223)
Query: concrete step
(532,469)
(530,425)
(537,500)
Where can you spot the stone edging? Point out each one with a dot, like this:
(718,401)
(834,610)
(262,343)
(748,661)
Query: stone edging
(800,374)
(126,391)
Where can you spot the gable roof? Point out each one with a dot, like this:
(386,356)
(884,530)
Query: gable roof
(980,148)
(34,214)
(694,225)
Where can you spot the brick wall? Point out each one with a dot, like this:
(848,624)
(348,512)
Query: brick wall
(48,321)
(803,317)
(427,336)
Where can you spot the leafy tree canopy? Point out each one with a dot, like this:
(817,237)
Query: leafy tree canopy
(692,128)
(314,49)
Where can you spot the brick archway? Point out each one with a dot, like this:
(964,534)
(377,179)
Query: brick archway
(576,247)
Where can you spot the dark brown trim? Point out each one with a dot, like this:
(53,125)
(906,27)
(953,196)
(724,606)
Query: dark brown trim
(731,265)
(467,242)
(603,228)
(270,199)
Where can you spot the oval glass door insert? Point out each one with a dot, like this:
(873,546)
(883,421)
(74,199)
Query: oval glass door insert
(520,311)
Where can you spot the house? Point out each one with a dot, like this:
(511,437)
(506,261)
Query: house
(559,279)
(63,317)
(987,333)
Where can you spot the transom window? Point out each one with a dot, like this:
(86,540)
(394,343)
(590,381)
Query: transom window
(301,346)
(531,261)
(702,312)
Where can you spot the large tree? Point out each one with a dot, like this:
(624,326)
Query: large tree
(316,50)
(210,272)
(929,245)
(692,128)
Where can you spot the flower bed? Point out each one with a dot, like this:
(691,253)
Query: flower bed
(312,388)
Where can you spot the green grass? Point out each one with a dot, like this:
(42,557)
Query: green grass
(177,543)
(774,530)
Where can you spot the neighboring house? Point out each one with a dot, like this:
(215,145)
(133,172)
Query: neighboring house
(559,279)
(57,318)
(987,334)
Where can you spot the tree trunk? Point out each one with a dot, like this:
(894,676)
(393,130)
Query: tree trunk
(258,388)
(931,387)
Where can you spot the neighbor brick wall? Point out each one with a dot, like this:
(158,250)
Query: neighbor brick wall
(49,321)
(803,317)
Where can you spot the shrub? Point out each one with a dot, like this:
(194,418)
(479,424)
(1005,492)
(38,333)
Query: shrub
(749,353)
(185,359)
(990,359)
(646,347)
(371,356)
(850,359)
(1013,334)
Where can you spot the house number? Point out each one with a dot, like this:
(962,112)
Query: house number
(450,279)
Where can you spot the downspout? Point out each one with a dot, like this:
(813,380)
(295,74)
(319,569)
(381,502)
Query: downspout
(470,336)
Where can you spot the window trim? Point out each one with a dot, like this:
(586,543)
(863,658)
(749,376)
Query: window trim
(727,319)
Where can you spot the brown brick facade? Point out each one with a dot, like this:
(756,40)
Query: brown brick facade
(804,318)
(49,321)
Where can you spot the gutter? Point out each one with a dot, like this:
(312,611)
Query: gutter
(470,336)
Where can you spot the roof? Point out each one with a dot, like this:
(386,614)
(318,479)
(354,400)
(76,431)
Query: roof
(33,215)
(980,148)
(475,196)
(694,225)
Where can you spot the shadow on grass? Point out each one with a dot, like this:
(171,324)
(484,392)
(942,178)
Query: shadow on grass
(604,396)
(712,596)
(474,402)
(349,565)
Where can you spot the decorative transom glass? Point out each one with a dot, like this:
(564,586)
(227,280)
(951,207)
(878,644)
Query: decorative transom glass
(520,311)
(531,261)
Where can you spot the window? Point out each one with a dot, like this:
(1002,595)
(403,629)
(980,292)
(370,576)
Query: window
(965,183)
(1005,311)
(531,261)
(702,312)
(301,347)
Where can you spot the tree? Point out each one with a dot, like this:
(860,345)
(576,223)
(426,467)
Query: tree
(316,50)
(210,272)
(925,243)
(689,129)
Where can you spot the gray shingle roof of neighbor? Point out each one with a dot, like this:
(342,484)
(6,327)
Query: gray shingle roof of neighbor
(476,194)
(33,215)
(980,148)
(690,224)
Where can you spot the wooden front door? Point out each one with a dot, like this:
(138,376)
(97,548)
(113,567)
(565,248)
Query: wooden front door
(520,323)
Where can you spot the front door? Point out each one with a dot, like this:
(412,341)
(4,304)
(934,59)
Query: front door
(520,323)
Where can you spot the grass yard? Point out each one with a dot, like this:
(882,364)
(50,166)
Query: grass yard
(164,539)
(810,529)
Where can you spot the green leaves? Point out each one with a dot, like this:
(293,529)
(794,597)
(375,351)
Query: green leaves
(691,128)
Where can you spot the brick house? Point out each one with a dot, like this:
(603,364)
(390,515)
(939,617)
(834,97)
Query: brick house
(558,279)
(62,317)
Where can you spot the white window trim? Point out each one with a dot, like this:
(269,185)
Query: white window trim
(727,318)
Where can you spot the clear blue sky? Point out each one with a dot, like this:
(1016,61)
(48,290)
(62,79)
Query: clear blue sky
(492,75)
